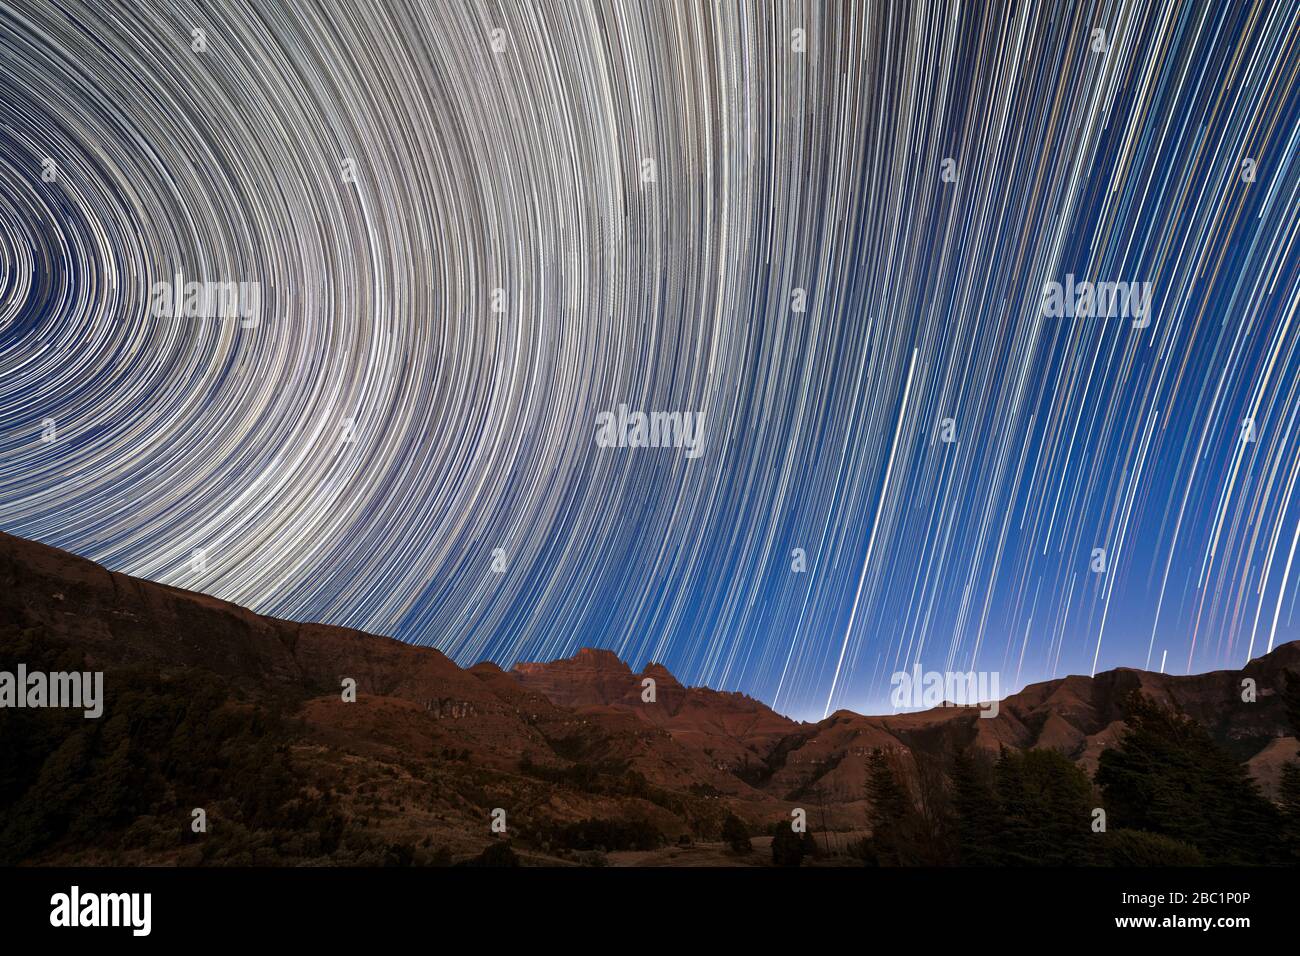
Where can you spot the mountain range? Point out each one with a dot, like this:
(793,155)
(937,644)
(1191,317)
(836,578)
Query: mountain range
(427,750)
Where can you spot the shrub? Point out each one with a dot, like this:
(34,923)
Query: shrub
(498,854)
(1137,848)
(736,835)
(787,847)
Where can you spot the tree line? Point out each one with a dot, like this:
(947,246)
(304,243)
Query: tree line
(1167,794)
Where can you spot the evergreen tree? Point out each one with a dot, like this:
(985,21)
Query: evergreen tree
(978,813)
(889,812)
(1168,776)
(1018,818)
(1046,810)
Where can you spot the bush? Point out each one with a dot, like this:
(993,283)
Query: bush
(440,856)
(736,835)
(863,850)
(498,854)
(787,847)
(606,835)
(1138,848)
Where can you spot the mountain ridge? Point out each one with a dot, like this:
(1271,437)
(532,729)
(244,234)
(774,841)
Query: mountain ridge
(574,739)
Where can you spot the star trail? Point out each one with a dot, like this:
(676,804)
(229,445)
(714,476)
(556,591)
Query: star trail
(461,238)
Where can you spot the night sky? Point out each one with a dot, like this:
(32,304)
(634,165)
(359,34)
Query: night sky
(466,231)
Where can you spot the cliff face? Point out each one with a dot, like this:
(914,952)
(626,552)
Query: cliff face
(590,678)
(733,731)
(1077,715)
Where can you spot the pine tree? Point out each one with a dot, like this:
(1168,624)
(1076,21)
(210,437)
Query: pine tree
(1046,806)
(1018,817)
(1167,775)
(889,812)
(978,814)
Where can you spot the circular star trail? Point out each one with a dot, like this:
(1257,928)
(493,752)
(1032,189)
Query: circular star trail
(458,233)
